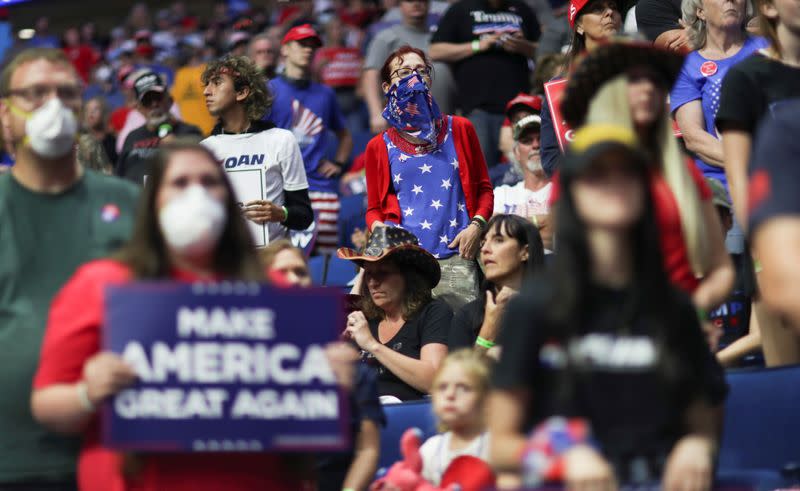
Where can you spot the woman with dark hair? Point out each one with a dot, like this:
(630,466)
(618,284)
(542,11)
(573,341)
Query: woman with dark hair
(626,82)
(604,337)
(591,22)
(511,252)
(400,328)
(427,174)
(189,229)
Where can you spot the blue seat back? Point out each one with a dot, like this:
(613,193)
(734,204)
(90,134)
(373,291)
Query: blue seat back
(340,272)
(762,419)
(316,266)
(399,418)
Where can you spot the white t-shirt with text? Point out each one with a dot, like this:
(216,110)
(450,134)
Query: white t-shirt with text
(272,161)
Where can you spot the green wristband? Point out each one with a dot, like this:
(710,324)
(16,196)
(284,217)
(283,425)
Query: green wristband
(476,46)
(702,314)
(484,343)
(285,214)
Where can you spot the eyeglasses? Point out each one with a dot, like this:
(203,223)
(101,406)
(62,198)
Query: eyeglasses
(422,71)
(37,94)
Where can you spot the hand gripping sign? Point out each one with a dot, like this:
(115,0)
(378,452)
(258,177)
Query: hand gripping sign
(554,90)
(224,367)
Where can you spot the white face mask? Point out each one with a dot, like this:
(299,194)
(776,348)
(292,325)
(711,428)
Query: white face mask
(51,129)
(192,222)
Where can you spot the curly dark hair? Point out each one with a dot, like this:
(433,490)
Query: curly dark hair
(417,295)
(245,74)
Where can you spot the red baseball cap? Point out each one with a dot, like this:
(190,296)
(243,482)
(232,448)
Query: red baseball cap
(533,102)
(299,33)
(575,7)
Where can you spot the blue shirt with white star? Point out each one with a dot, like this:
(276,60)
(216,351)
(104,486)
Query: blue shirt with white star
(428,188)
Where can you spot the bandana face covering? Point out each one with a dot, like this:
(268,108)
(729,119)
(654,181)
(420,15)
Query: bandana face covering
(411,109)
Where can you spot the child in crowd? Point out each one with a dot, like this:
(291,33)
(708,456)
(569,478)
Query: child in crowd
(458,394)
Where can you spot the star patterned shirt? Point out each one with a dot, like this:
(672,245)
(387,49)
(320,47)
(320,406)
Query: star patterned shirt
(428,188)
(701,78)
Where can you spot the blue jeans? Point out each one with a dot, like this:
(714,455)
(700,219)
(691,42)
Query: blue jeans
(487,126)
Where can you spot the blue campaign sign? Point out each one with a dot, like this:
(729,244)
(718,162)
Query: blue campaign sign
(224,367)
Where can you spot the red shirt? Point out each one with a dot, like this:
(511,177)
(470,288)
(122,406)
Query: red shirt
(382,203)
(72,337)
(668,218)
(118,118)
(83,58)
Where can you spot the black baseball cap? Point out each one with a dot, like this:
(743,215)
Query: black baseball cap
(148,82)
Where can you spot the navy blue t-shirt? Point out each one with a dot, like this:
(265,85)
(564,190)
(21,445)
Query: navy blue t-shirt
(310,111)
(775,170)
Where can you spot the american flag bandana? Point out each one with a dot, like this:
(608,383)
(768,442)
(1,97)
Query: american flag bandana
(411,109)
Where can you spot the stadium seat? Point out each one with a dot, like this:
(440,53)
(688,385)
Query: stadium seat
(762,422)
(399,418)
(316,265)
(340,272)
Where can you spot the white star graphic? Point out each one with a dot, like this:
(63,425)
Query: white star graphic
(446,183)
(436,255)
(425,168)
(426,225)
(454,222)
(390,145)
(436,204)
(397,178)
(454,163)
(443,239)
(461,207)
(417,189)
(409,211)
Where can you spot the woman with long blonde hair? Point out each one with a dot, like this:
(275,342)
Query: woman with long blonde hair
(626,83)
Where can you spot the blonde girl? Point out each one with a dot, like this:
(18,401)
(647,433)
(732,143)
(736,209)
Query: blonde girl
(458,396)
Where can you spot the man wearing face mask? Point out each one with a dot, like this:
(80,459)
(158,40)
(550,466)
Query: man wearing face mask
(54,216)
(529,198)
(237,95)
(141,145)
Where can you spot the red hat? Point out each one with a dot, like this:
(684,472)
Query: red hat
(299,33)
(522,99)
(575,7)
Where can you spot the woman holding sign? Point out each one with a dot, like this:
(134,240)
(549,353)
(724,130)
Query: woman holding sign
(626,82)
(189,228)
(592,22)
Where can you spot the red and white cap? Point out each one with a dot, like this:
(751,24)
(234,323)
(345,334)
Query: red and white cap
(533,102)
(301,32)
(575,7)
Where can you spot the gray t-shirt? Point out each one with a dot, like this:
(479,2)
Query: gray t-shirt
(391,38)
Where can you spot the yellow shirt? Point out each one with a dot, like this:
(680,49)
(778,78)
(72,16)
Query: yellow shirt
(188,94)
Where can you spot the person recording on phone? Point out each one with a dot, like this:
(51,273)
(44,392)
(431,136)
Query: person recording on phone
(141,145)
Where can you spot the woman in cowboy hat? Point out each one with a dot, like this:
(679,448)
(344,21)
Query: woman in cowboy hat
(626,82)
(400,328)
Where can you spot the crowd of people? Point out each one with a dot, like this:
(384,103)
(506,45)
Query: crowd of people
(561,234)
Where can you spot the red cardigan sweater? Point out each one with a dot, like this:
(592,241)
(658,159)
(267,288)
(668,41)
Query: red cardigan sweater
(382,204)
